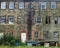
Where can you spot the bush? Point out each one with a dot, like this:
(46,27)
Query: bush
(10,40)
(1,41)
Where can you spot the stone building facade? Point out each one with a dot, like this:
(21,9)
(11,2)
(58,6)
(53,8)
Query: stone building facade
(45,19)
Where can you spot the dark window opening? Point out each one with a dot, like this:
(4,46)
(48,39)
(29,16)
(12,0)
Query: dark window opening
(56,20)
(47,19)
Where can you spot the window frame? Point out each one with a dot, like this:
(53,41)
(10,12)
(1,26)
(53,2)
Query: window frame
(37,20)
(48,20)
(9,5)
(53,4)
(19,6)
(46,34)
(35,34)
(19,19)
(9,19)
(54,34)
(3,19)
(57,17)
(43,4)
(5,5)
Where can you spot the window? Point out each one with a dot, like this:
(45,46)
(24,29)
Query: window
(55,34)
(53,5)
(11,19)
(46,35)
(36,34)
(47,19)
(43,5)
(57,20)
(19,19)
(3,5)
(30,5)
(11,5)
(3,19)
(10,34)
(21,5)
(38,19)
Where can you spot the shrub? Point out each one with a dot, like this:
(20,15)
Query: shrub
(10,40)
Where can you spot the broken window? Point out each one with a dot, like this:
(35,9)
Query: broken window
(47,19)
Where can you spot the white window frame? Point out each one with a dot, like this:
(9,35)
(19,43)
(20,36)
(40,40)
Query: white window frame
(53,4)
(3,5)
(43,4)
(57,18)
(21,5)
(38,20)
(9,19)
(10,5)
(3,19)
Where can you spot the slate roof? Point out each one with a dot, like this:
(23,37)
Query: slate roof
(33,0)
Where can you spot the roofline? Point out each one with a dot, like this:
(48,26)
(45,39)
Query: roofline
(30,0)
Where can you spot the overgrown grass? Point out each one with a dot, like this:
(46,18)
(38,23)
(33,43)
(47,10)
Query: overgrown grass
(26,47)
